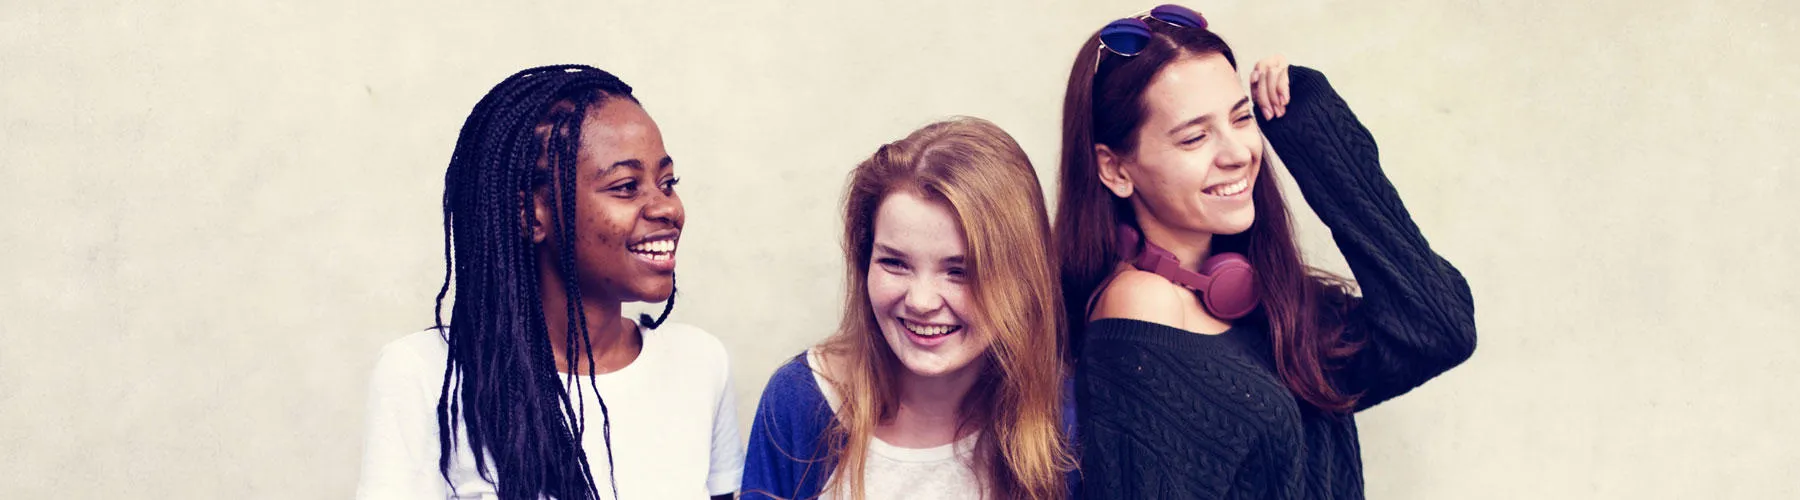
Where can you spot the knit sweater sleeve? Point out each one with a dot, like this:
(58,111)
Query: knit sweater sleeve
(787,454)
(1416,317)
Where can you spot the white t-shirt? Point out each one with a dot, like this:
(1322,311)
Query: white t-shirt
(892,472)
(674,422)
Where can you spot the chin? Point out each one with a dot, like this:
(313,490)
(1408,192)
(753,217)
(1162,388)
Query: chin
(652,290)
(932,368)
(1235,224)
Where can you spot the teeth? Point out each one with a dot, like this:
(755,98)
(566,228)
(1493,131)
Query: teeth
(1232,189)
(655,247)
(928,331)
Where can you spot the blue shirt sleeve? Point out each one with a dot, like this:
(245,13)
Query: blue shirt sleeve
(1072,435)
(788,454)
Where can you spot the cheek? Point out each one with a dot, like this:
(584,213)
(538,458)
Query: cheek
(885,290)
(960,300)
(1252,136)
(610,226)
(1178,176)
(1193,170)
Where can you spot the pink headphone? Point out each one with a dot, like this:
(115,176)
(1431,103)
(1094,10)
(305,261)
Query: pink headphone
(1226,283)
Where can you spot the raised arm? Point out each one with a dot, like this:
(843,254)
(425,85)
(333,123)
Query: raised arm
(1416,317)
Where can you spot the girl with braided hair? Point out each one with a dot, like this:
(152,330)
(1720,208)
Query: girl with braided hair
(559,205)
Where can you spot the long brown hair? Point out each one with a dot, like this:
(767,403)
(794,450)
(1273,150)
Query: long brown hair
(1300,305)
(983,176)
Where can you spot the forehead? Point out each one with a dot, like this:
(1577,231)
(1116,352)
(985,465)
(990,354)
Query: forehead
(619,129)
(1190,87)
(921,228)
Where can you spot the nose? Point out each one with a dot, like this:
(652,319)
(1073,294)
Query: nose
(664,207)
(1235,149)
(923,297)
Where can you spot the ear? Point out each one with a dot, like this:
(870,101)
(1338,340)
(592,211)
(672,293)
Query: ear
(1112,171)
(535,220)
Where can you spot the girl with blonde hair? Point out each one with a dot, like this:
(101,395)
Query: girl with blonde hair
(945,378)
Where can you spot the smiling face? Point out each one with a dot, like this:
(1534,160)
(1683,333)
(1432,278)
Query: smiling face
(628,218)
(1198,152)
(919,287)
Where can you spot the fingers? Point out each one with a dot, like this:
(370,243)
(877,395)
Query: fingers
(1270,101)
(1284,96)
(1261,92)
(1256,85)
(1269,86)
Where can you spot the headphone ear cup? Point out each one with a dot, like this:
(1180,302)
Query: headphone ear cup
(1226,283)
(1232,293)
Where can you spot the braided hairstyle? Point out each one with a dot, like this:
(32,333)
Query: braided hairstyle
(500,379)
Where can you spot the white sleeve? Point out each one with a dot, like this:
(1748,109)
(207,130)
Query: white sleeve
(727,447)
(400,444)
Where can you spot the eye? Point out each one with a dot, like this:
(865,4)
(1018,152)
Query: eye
(892,264)
(1245,118)
(627,188)
(1195,140)
(958,274)
(668,186)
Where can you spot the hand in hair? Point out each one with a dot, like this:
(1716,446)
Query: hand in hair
(1269,86)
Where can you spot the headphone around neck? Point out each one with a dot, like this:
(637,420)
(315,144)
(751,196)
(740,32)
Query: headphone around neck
(1226,283)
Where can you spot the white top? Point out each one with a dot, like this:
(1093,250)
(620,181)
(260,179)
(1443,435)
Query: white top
(674,422)
(892,472)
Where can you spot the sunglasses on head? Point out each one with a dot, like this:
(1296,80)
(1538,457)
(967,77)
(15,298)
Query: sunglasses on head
(1128,37)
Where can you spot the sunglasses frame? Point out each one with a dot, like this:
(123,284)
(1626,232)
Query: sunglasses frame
(1133,30)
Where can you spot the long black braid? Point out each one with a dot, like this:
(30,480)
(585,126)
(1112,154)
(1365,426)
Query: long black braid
(500,379)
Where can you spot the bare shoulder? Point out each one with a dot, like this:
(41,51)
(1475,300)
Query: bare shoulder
(1143,296)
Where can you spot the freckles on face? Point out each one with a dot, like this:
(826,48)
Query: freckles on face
(605,234)
(1199,149)
(919,287)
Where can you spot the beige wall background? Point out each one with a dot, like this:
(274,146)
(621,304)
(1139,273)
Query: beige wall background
(214,213)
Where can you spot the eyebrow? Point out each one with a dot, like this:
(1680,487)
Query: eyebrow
(1207,117)
(880,248)
(633,164)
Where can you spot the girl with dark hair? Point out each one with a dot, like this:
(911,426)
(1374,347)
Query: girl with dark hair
(559,205)
(1212,361)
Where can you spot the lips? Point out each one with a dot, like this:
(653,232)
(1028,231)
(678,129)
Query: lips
(928,334)
(657,249)
(1228,189)
(929,330)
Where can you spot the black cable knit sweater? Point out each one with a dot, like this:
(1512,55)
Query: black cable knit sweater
(1167,413)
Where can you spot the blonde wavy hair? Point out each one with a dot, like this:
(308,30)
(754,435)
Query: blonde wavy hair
(982,175)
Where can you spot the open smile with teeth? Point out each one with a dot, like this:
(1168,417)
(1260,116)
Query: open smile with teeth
(655,250)
(924,330)
(1231,189)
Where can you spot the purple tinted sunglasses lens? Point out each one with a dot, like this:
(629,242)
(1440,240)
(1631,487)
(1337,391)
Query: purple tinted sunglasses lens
(1178,15)
(1126,37)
